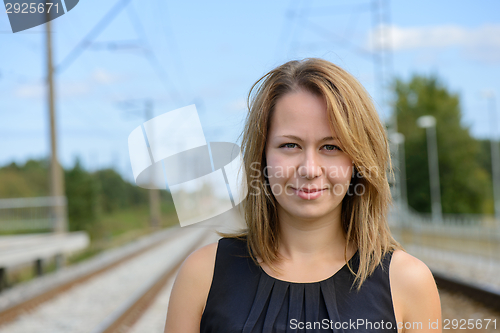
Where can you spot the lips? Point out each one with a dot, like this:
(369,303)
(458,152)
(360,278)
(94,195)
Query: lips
(309,193)
(309,190)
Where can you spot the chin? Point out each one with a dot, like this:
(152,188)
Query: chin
(309,213)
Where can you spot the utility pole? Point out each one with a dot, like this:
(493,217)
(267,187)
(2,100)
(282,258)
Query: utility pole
(429,123)
(495,156)
(398,140)
(132,106)
(56,175)
(154,194)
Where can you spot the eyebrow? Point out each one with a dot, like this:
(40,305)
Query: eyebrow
(326,138)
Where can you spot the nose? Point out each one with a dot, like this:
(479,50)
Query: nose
(310,166)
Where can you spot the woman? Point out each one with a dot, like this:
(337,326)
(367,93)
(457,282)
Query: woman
(317,255)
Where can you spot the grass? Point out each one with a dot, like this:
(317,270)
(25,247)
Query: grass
(466,244)
(123,226)
(23,231)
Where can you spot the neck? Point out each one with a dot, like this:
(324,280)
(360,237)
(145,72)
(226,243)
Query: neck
(305,239)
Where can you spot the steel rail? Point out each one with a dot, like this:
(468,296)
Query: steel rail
(28,305)
(488,297)
(132,310)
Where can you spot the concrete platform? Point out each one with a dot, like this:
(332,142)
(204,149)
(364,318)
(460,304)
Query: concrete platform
(17,250)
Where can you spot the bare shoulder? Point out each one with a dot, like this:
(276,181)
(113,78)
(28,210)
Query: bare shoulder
(190,291)
(409,272)
(414,289)
(200,264)
(197,271)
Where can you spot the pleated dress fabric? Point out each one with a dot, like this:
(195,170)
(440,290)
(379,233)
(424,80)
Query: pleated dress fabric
(244,298)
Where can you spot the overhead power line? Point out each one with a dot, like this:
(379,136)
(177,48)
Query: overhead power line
(151,56)
(87,40)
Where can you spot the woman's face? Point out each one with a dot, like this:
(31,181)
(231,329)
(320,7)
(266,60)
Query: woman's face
(308,173)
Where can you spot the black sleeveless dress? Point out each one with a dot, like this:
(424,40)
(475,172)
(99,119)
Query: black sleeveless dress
(244,298)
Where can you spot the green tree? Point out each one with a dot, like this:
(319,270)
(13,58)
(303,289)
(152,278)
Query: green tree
(83,194)
(90,195)
(118,193)
(113,190)
(465,185)
(24,181)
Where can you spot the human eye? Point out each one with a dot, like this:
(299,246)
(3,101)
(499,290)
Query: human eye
(332,147)
(288,145)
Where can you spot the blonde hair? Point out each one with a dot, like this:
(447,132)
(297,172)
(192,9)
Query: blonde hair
(353,117)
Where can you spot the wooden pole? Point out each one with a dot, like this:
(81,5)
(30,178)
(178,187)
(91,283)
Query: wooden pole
(154,194)
(56,174)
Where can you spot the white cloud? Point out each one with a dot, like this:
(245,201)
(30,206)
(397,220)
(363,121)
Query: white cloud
(74,89)
(38,90)
(68,88)
(481,43)
(237,105)
(30,90)
(102,76)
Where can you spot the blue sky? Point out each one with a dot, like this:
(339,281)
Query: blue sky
(176,53)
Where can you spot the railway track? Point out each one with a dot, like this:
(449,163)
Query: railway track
(123,317)
(489,298)
(170,251)
(11,313)
(126,316)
